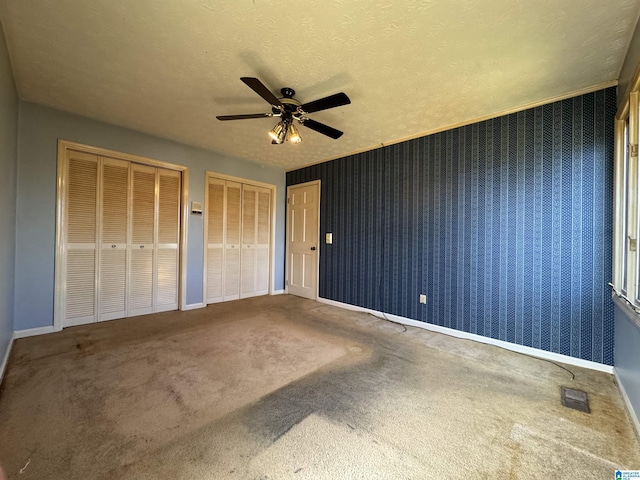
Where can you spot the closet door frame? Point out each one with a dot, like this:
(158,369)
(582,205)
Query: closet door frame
(272,219)
(64,146)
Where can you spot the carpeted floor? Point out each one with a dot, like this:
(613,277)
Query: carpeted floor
(287,388)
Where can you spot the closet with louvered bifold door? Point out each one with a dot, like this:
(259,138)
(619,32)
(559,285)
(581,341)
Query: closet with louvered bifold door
(238,239)
(120,239)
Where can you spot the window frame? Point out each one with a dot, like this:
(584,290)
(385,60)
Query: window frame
(626,220)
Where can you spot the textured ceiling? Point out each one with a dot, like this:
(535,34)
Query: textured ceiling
(169,67)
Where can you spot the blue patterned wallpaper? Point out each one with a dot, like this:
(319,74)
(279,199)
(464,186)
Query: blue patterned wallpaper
(505,225)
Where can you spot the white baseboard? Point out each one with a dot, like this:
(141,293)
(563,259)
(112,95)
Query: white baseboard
(514,347)
(32,332)
(278,292)
(5,359)
(627,401)
(194,306)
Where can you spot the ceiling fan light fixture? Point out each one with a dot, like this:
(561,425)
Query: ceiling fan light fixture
(294,134)
(279,132)
(289,110)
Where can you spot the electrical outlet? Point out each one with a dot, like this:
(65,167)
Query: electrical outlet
(423,299)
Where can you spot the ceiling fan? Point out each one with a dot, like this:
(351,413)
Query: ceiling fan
(290,109)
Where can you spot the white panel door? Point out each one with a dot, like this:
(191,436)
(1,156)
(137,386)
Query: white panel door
(80,239)
(114,211)
(142,227)
(232,241)
(168,237)
(302,240)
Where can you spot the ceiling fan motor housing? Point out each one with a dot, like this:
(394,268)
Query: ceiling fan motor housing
(289,104)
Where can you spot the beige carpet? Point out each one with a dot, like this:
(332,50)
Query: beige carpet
(286,388)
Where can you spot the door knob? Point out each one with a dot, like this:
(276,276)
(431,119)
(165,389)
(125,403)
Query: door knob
(313,248)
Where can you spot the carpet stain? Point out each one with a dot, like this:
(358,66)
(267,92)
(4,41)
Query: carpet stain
(283,387)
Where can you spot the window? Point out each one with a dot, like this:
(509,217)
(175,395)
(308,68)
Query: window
(626,261)
(625,205)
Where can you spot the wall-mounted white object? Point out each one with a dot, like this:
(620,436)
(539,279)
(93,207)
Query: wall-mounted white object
(196,208)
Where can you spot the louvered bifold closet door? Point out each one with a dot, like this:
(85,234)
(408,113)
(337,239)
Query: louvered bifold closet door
(114,210)
(142,227)
(215,239)
(238,237)
(256,234)
(80,239)
(248,261)
(263,241)
(168,238)
(232,241)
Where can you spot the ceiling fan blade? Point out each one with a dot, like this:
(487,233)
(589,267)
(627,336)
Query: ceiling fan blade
(244,117)
(258,87)
(331,101)
(321,128)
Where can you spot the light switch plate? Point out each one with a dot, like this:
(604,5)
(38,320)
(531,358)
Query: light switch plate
(329,238)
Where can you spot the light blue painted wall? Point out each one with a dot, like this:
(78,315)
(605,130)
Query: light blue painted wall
(39,130)
(627,353)
(8,156)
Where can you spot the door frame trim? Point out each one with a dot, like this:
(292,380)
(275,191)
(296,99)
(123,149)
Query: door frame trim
(63,147)
(287,247)
(205,226)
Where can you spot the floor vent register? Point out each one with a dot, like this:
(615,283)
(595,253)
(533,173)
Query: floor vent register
(576,399)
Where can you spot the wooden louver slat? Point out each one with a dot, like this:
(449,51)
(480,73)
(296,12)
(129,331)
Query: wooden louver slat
(168,208)
(215,212)
(115,180)
(264,218)
(80,298)
(143,214)
(248,215)
(81,201)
